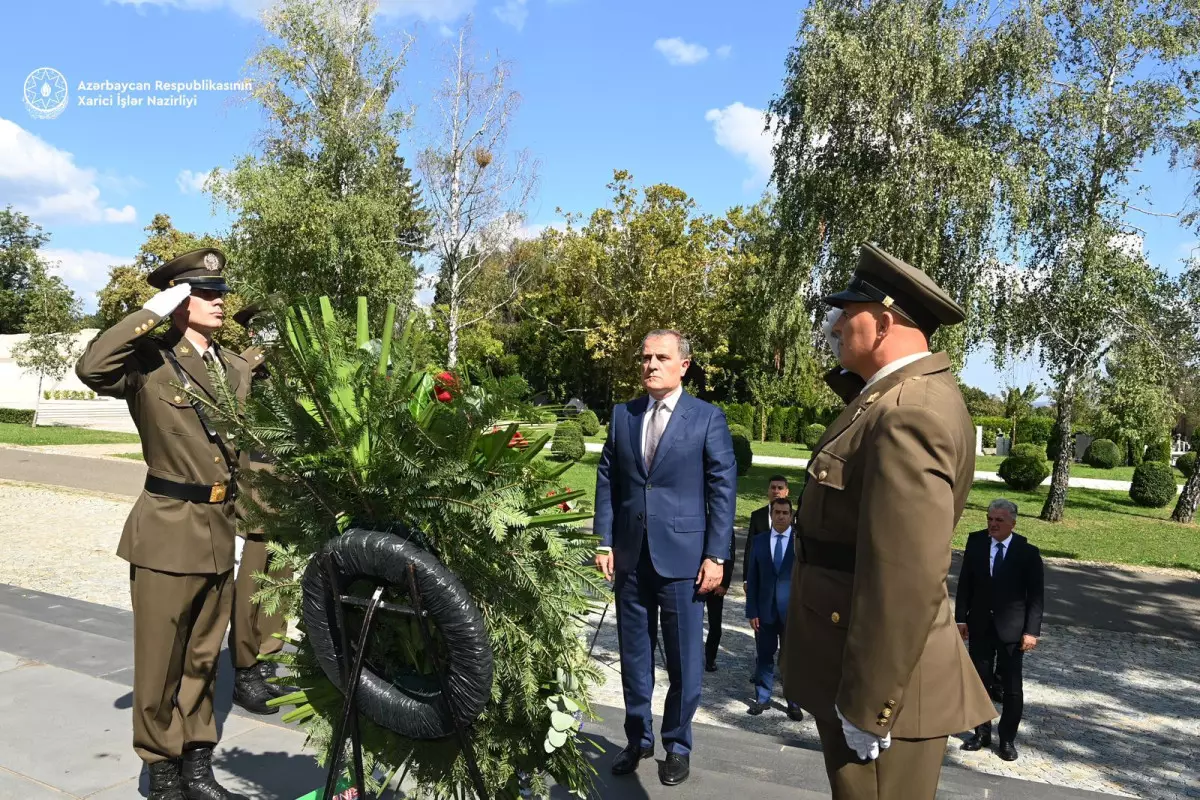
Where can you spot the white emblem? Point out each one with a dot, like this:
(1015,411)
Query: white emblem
(45,93)
(211,262)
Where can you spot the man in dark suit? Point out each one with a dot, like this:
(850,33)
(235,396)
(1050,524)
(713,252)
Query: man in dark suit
(760,519)
(998,609)
(714,604)
(666,491)
(768,587)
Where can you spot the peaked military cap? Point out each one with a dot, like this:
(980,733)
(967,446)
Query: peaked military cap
(252,310)
(201,268)
(880,277)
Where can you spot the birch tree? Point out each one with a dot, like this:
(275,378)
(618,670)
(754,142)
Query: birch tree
(476,189)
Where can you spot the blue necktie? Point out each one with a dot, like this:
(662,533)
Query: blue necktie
(998,559)
(778,554)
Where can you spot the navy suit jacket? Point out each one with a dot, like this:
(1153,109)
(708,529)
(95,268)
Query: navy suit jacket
(767,591)
(683,506)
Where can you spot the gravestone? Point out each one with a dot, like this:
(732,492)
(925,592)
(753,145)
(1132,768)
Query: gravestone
(978,440)
(1003,445)
(1082,442)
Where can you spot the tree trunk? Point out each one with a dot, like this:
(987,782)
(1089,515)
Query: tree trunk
(37,404)
(1189,498)
(452,321)
(1056,500)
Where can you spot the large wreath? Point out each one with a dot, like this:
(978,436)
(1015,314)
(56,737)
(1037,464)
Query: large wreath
(363,437)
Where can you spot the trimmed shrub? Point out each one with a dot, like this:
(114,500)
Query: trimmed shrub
(1102,454)
(1159,450)
(1024,472)
(1153,485)
(1195,440)
(739,430)
(813,434)
(1186,463)
(791,418)
(1029,449)
(742,452)
(775,424)
(991,426)
(1035,429)
(589,423)
(568,442)
(1133,449)
(18,416)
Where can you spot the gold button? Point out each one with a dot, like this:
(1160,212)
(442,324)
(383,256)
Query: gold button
(835,618)
(258,357)
(148,324)
(890,704)
(887,712)
(216,459)
(822,475)
(178,399)
(882,723)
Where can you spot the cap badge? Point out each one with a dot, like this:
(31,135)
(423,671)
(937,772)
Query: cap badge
(211,262)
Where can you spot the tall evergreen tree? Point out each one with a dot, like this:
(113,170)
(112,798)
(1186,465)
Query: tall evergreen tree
(20,239)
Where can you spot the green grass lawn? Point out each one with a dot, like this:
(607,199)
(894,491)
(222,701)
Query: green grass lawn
(992,464)
(1103,526)
(130,456)
(14,433)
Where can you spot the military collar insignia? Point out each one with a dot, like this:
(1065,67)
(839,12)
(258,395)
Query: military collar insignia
(871,398)
(184,350)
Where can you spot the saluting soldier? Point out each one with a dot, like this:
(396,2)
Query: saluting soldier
(179,537)
(252,632)
(871,649)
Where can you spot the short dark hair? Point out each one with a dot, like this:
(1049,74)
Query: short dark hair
(780,501)
(778,479)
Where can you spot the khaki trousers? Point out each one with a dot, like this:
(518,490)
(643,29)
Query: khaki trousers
(178,624)
(251,630)
(908,770)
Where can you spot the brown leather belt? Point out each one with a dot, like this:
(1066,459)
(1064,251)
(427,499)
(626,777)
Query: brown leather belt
(825,554)
(191,492)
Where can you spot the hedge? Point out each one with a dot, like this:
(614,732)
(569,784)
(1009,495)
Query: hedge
(19,416)
(1153,485)
(1102,454)
(991,426)
(568,442)
(1024,472)
(742,452)
(1035,429)
(1186,463)
(1132,450)
(589,423)
(776,418)
(784,423)
(1159,450)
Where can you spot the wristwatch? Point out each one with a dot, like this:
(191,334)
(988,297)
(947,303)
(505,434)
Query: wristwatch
(718,561)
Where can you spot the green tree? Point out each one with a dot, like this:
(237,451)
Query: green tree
(980,403)
(51,320)
(20,239)
(1018,404)
(896,125)
(329,205)
(1123,90)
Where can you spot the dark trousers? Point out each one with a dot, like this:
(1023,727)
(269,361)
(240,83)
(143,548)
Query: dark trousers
(251,632)
(716,609)
(908,770)
(766,643)
(644,599)
(994,657)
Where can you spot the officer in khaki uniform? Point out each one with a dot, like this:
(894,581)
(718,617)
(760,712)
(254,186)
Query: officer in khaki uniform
(179,537)
(871,650)
(252,632)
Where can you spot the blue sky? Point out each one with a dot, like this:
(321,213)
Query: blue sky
(672,91)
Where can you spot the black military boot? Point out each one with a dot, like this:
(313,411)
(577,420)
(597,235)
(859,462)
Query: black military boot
(251,692)
(267,670)
(199,783)
(165,782)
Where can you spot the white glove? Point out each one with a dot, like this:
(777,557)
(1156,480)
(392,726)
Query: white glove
(268,335)
(868,746)
(835,342)
(168,300)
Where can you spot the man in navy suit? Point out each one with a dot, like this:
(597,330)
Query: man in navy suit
(768,587)
(666,491)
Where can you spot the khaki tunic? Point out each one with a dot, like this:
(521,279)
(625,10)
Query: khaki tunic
(887,483)
(163,533)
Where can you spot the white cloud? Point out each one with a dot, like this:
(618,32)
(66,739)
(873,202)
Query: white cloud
(46,183)
(191,182)
(429,10)
(85,271)
(513,12)
(742,131)
(724,51)
(680,53)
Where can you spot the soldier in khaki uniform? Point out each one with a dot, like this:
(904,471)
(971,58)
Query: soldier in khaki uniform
(252,632)
(179,537)
(871,650)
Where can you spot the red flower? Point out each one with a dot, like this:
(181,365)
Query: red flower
(518,441)
(445,384)
(565,506)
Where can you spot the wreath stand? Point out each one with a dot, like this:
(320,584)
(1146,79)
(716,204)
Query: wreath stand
(352,672)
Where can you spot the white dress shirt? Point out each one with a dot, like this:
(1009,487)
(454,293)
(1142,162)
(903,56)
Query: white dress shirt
(786,535)
(665,413)
(899,363)
(992,560)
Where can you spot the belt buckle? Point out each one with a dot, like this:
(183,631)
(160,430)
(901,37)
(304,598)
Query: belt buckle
(217,494)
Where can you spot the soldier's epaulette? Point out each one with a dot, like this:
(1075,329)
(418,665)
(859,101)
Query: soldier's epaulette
(914,391)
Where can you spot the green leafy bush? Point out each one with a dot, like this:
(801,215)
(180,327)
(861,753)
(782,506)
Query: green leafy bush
(1029,449)
(1102,454)
(1035,429)
(46,395)
(742,450)
(1153,484)
(18,416)
(568,442)
(813,434)
(739,430)
(1024,472)
(1159,450)
(1133,449)
(1186,463)
(589,423)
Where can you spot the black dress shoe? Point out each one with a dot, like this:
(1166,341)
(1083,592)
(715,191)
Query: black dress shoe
(756,708)
(1008,751)
(795,713)
(674,770)
(978,741)
(251,692)
(199,783)
(165,783)
(996,692)
(628,759)
(710,666)
(267,670)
